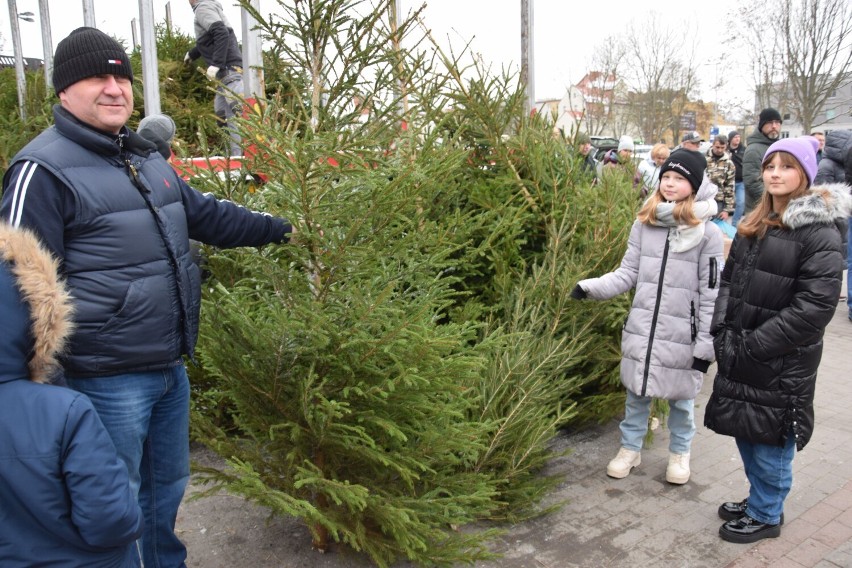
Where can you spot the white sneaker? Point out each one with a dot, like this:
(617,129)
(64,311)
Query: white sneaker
(622,463)
(677,471)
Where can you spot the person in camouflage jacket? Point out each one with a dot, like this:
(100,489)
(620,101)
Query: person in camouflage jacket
(722,173)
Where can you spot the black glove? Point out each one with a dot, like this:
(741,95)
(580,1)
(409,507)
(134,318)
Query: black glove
(578,293)
(700,364)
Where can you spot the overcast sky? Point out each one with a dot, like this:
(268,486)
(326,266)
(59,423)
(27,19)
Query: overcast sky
(566,31)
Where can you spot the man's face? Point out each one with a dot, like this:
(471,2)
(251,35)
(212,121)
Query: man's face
(586,148)
(104,102)
(718,149)
(821,138)
(772,129)
(735,141)
(691,145)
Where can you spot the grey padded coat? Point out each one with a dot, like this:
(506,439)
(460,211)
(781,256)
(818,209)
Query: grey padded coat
(668,326)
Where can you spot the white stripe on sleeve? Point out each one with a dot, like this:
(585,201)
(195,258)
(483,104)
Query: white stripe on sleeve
(20,192)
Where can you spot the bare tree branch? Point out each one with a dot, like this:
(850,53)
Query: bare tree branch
(817,51)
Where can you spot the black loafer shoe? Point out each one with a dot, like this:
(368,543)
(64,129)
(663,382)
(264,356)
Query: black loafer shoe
(731,511)
(746,530)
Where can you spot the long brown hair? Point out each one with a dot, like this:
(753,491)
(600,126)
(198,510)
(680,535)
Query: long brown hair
(762,217)
(683,210)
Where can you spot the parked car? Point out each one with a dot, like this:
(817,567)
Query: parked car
(601,145)
(641,152)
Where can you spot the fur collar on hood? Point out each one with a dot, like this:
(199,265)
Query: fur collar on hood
(823,204)
(49,303)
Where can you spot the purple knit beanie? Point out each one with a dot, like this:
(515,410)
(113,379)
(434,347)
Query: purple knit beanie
(803,148)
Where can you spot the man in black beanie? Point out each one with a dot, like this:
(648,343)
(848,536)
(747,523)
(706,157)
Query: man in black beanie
(117,216)
(768,131)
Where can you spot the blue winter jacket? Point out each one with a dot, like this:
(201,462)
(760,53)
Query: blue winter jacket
(65,497)
(120,218)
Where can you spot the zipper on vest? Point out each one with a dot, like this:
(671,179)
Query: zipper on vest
(134,176)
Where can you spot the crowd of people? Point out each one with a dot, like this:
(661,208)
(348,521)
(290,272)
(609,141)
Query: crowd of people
(100,300)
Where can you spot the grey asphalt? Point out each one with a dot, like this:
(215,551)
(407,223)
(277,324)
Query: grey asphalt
(642,520)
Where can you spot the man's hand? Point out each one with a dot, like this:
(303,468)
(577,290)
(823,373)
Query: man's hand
(211,72)
(187,59)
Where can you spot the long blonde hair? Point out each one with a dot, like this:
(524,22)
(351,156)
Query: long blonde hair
(683,213)
(762,217)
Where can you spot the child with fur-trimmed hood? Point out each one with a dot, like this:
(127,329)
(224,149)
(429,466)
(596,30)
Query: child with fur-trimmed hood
(65,497)
(778,292)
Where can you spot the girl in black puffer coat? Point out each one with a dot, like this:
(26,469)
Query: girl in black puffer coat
(779,290)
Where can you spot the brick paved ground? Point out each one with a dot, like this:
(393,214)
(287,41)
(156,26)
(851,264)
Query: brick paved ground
(642,520)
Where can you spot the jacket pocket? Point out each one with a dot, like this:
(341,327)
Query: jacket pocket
(750,371)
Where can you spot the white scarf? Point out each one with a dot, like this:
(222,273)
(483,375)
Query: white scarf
(685,237)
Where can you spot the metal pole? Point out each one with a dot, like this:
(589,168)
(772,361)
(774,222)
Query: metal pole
(169,18)
(401,87)
(89,13)
(134,32)
(253,85)
(19,59)
(527,57)
(531,54)
(150,72)
(46,44)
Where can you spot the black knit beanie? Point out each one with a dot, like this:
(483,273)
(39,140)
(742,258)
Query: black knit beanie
(767,115)
(687,163)
(87,52)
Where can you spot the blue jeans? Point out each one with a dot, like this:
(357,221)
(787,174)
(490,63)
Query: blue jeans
(739,201)
(635,424)
(769,470)
(849,268)
(147,417)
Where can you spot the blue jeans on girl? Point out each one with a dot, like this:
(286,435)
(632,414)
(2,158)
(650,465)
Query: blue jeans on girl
(769,470)
(635,424)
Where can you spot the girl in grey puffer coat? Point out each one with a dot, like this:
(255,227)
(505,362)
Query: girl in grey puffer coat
(672,260)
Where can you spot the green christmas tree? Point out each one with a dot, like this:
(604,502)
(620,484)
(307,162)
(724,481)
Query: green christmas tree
(400,370)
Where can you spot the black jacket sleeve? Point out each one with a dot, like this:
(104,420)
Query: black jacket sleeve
(35,198)
(225,224)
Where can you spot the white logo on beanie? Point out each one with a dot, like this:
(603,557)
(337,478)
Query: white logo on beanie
(679,166)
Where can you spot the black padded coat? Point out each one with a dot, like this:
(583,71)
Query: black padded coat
(777,295)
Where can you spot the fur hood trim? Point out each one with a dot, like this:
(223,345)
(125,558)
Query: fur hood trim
(821,205)
(50,305)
